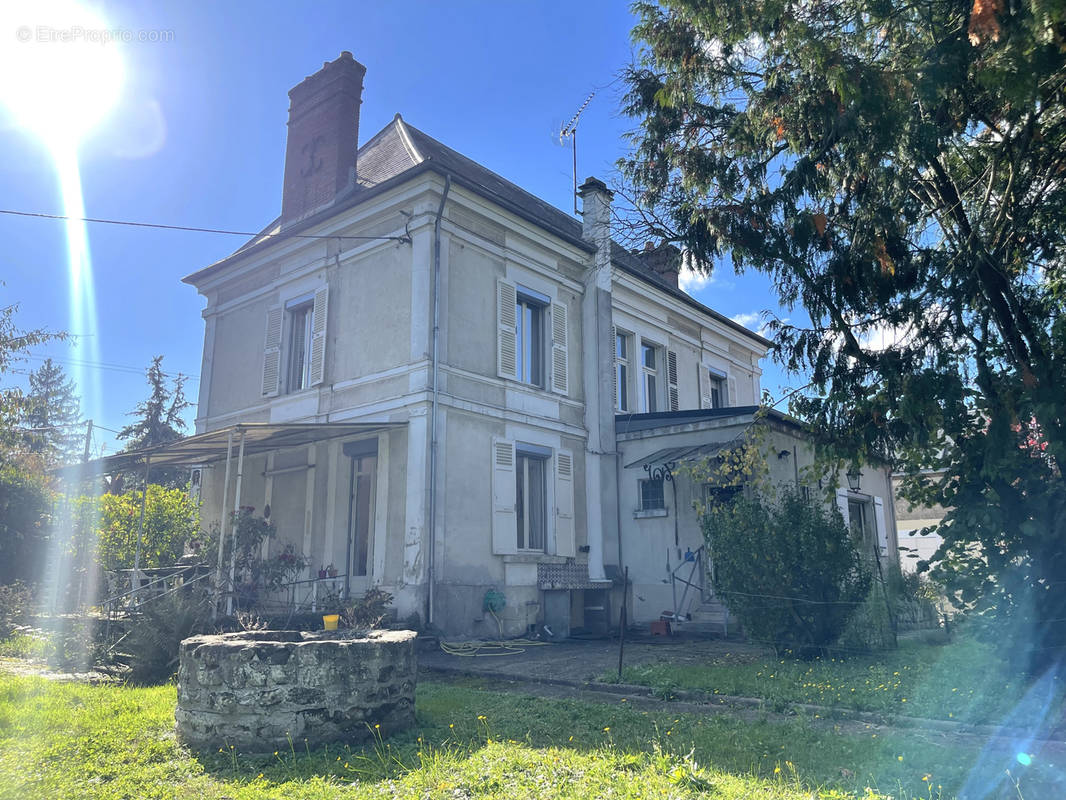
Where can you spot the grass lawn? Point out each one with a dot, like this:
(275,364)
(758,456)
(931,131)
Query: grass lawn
(74,740)
(964,681)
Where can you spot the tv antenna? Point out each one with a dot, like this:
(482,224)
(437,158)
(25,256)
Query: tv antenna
(569,131)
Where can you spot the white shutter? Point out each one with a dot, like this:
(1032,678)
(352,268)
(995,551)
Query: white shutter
(318,336)
(614,372)
(672,395)
(731,400)
(842,504)
(504,498)
(882,531)
(564,504)
(704,376)
(560,360)
(272,351)
(506,330)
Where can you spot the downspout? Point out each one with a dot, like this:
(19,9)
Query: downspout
(431,576)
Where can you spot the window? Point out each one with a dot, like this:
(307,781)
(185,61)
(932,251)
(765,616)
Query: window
(621,371)
(861,523)
(529,339)
(531,496)
(532,499)
(649,358)
(716,391)
(714,494)
(651,494)
(294,353)
(298,321)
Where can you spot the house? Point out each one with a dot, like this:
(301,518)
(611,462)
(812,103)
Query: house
(419,371)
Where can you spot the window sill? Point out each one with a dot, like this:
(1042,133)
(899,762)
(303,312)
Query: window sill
(649,513)
(533,558)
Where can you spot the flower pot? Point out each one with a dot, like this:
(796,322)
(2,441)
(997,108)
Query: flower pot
(322,573)
(329,621)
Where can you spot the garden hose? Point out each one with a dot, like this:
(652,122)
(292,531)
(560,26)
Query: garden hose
(486,649)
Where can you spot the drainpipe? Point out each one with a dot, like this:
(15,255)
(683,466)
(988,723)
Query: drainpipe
(222,526)
(431,576)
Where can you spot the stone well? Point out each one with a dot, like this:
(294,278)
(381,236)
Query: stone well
(255,689)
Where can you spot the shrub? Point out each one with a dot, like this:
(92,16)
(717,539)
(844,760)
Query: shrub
(367,611)
(16,607)
(786,567)
(155,632)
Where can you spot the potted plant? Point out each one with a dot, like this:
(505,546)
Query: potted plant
(322,572)
(331,571)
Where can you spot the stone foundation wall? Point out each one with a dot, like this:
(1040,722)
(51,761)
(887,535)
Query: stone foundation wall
(255,689)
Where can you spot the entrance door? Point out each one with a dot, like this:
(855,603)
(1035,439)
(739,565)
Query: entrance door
(363,467)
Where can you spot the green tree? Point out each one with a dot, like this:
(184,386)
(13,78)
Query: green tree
(897,171)
(171,520)
(159,420)
(786,567)
(52,415)
(14,345)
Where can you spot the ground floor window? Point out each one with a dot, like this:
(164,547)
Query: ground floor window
(861,523)
(531,496)
(651,494)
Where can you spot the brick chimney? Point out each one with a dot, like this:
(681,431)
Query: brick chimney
(323,137)
(664,259)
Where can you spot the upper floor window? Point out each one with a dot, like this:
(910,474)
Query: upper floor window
(649,360)
(294,352)
(299,318)
(529,339)
(621,371)
(716,391)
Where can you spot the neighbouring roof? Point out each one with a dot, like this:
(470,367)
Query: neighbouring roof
(634,423)
(400,151)
(205,448)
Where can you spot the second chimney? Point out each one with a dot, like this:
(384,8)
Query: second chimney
(323,137)
(664,260)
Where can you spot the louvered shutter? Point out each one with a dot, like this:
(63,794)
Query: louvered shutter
(504,498)
(842,505)
(882,531)
(704,375)
(673,396)
(614,372)
(564,504)
(318,336)
(506,330)
(731,400)
(560,359)
(272,351)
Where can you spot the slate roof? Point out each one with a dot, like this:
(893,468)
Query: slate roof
(400,151)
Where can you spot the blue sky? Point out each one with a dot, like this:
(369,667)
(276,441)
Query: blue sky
(198,137)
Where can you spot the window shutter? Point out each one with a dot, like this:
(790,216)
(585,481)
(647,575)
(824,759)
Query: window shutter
(504,498)
(704,375)
(731,399)
(614,372)
(560,360)
(506,330)
(673,397)
(842,504)
(564,504)
(882,531)
(272,351)
(318,336)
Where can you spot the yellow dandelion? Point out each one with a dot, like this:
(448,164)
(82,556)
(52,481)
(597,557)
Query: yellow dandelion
(607,729)
(451,724)
(377,726)
(777,770)
(899,758)
(571,739)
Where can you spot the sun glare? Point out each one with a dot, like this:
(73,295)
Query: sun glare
(60,68)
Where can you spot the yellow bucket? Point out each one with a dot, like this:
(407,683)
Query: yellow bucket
(329,621)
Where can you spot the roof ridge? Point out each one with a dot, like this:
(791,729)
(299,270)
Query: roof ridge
(405,137)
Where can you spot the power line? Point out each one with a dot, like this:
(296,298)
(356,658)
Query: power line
(81,362)
(160,226)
